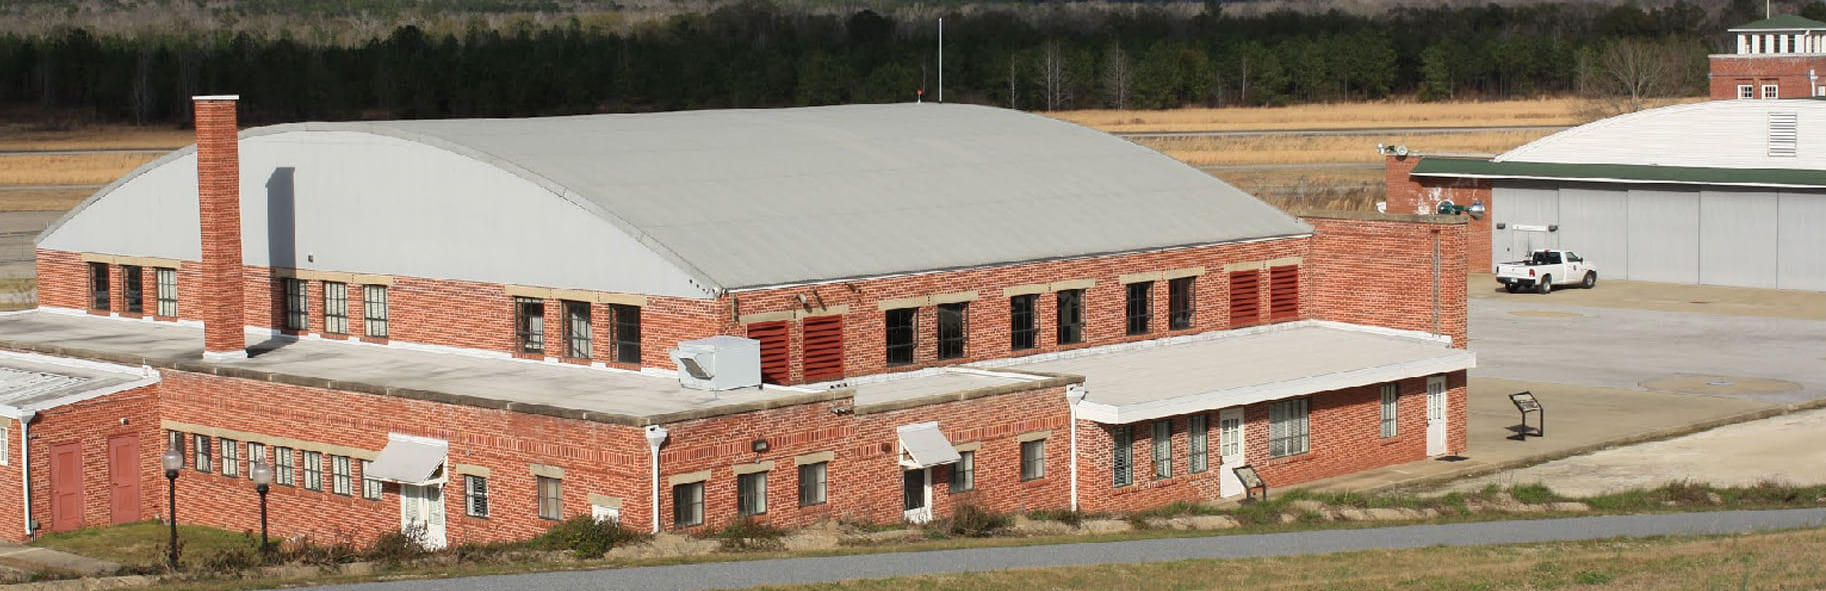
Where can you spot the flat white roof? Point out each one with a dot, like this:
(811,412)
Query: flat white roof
(33,382)
(1234,368)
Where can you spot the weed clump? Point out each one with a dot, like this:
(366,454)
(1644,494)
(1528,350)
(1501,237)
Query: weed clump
(745,534)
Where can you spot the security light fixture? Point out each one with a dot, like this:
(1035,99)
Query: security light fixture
(759,446)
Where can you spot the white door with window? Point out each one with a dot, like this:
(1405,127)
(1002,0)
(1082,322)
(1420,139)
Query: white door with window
(421,512)
(916,494)
(1230,451)
(1436,416)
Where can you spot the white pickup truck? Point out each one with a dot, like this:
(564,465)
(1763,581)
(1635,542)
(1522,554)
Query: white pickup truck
(1545,269)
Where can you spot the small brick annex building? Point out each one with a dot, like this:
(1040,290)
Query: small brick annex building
(1779,57)
(473,328)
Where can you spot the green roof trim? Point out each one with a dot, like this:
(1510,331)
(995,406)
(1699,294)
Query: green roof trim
(1640,173)
(1786,21)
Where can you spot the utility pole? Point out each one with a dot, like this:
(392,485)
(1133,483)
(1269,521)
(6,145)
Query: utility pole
(941,59)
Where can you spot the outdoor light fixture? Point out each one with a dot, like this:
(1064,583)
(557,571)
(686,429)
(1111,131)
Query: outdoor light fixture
(1477,208)
(174,461)
(759,446)
(262,475)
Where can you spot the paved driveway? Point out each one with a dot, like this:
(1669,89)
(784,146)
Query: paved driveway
(1553,338)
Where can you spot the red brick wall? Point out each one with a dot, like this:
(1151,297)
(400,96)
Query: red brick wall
(1422,195)
(1790,72)
(1378,271)
(1345,437)
(90,424)
(596,457)
(480,316)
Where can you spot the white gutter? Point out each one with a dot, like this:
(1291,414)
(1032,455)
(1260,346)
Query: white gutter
(25,464)
(1074,394)
(656,435)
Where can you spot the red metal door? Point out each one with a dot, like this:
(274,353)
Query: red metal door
(66,487)
(123,478)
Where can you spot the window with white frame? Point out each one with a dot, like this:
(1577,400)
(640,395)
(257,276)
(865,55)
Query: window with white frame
(1198,438)
(1746,91)
(284,468)
(203,462)
(751,493)
(1391,393)
(1288,428)
(551,498)
(370,486)
(256,452)
(1163,449)
(812,483)
(475,495)
(335,307)
(313,470)
(340,475)
(963,473)
(1122,458)
(167,292)
(374,311)
(231,457)
(688,504)
(1033,459)
(6,447)
(1771,91)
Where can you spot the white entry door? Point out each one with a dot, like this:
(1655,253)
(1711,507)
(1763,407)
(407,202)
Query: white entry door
(421,509)
(916,494)
(1230,451)
(1436,416)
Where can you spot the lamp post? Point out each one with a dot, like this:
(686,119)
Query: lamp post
(174,461)
(263,480)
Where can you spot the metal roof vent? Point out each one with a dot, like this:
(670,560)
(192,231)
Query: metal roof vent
(1784,135)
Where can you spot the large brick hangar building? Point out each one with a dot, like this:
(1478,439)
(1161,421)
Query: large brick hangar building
(471,327)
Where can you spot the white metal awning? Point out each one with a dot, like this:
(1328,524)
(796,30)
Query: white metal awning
(410,460)
(922,445)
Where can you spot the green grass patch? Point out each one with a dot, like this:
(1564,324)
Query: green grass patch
(143,544)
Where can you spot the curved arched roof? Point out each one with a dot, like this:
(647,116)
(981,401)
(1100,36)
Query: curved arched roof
(752,198)
(1710,134)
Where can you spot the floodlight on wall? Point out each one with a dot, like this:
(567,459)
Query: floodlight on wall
(1477,209)
(759,446)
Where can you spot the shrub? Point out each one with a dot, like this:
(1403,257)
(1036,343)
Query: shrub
(745,534)
(395,547)
(231,560)
(1533,493)
(473,552)
(318,555)
(1071,518)
(971,521)
(585,537)
(1687,492)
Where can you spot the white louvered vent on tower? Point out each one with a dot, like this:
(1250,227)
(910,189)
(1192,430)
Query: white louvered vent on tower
(1784,134)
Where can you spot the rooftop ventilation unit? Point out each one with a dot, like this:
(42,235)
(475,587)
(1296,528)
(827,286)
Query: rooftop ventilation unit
(718,363)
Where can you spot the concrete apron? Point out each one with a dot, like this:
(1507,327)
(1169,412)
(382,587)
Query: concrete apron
(1579,420)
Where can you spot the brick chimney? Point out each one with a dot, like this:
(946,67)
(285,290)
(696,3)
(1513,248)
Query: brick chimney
(219,209)
(1403,193)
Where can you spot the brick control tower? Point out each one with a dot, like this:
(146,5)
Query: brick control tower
(1777,57)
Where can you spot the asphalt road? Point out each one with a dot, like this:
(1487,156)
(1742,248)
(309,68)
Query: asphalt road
(737,575)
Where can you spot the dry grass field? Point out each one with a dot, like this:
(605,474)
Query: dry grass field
(1785,560)
(14,136)
(1307,149)
(1371,115)
(53,200)
(68,169)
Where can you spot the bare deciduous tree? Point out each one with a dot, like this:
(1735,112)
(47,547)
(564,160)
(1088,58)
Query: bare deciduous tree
(1118,77)
(1054,76)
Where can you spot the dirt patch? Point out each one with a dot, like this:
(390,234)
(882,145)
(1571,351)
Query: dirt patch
(1545,314)
(1719,385)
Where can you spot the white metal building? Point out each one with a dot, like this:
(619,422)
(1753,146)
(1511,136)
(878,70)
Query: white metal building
(1719,193)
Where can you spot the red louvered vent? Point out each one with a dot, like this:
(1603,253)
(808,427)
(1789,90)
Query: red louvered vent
(823,348)
(1284,293)
(776,368)
(1245,298)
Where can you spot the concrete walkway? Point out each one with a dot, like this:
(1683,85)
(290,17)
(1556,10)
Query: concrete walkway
(737,575)
(29,559)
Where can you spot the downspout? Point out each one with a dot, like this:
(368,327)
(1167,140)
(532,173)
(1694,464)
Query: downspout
(1074,394)
(25,464)
(656,435)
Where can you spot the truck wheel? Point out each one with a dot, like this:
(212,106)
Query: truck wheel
(1512,287)
(1545,285)
(1591,280)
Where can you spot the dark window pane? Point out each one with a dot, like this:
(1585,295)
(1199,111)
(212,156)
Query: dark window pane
(627,333)
(98,286)
(577,330)
(130,278)
(1071,316)
(1180,303)
(952,329)
(1024,328)
(1140,306)
(529,325)
(900,333)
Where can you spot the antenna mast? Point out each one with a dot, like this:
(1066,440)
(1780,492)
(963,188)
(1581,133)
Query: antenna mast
(941,59)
